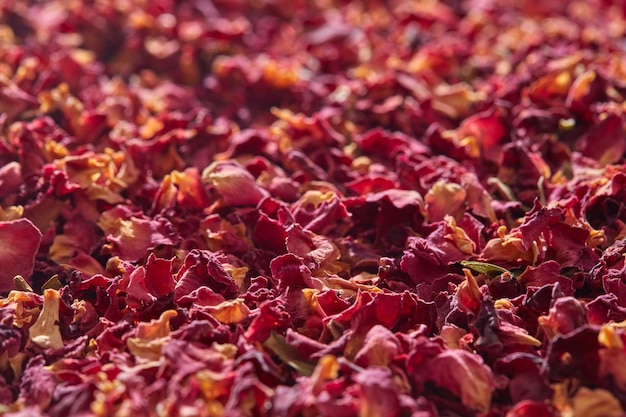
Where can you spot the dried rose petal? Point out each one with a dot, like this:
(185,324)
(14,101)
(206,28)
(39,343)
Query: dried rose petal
(19,243)
(151,337)
(234,184)
(45,331)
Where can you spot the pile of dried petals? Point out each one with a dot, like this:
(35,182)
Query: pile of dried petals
(292,208)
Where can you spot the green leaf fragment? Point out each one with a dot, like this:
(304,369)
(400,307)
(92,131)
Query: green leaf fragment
(485,268)
(53,283)
(288,354)
(21,284)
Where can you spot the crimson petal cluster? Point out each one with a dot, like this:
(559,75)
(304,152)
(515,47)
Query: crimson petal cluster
(292,208)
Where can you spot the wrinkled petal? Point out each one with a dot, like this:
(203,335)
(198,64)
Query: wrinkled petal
(19,243)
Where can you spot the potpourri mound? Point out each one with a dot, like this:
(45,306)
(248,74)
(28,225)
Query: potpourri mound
(312,208)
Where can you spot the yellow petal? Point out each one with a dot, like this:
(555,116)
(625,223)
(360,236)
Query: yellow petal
(609,338)
(151,337)
(444,198)
(45,332)
(231,311)
(596,403)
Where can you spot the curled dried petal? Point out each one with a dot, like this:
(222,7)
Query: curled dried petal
(45,331)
